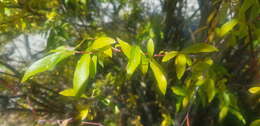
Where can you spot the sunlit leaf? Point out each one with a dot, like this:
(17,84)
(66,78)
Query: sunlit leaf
(83,111)
(167,121)
(189,61)
(254,90)
(46,63)
(101,42)
(70,93)
(223,113)
(159,76)
(226,98)
(108,52)
(185,101)
(134,61)
(169,56)
(144,64)
(200,48)
(178,91)
(150,47)
(126,48)
(180,64)
(210,89)
(227,27)
(255,123)
(93,66)
(81,74)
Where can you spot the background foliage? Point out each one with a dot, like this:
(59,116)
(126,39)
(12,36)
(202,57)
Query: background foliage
(122,62)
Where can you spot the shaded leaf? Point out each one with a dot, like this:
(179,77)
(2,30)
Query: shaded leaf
(180,64)
(200,48)
(159,76)
(238,115)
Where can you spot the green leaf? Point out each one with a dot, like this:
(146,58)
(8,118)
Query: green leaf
(178,91)
(223,113)
(81,74)
(254,90)
(46,63)
(101,43)
(150,47)
(159,76)
(227,27)
(210,89)
(70,93)
(169,56)
(93,66)
(255,123)
(180,64)
(200,48)
(126,48)
(189,61)
(144,64)
(238,115)
(134,61)
(84,1)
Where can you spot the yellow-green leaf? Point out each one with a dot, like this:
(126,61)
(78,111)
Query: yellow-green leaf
(150,47)
(254,90)
(81,74)
(255,123)
(70,93)
(93,66)
(185,101)
(159,76)
(238,115)
(102,42)
(200,48)
(180,64)
(223,113)
(134,61)
(227,27)
(144,64)
(210,89)
(126,48)
(178,91)
(169,56)
(83,111)
(46,63)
